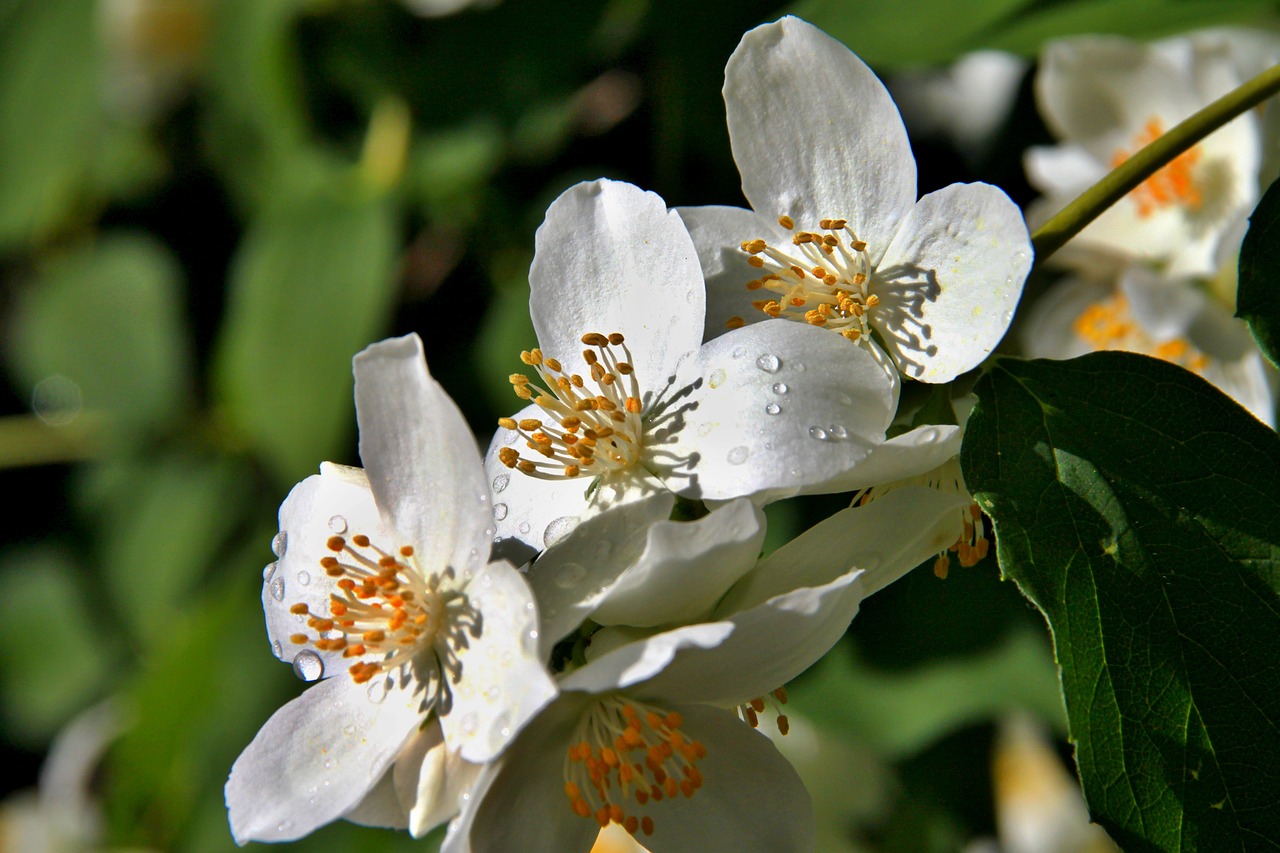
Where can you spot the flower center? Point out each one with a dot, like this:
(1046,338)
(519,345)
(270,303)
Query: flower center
(751,711)
(1174,185)
(387,610)
(592,427)
(626,754)
(824,279)
(1110,325)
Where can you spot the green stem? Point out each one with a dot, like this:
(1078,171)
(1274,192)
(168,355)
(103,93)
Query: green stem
(1069,221)
(27,440)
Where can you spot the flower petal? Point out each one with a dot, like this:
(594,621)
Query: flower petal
(641,660)
(381,807)
(885,538)
(317,758)
(566,580)
(950,280)
(718,232)
(768,411)
(611,258)
(503,682)
(420,455)
(1048,327)
(815,133)
(915,452)
(430,777)
(335,501)
(685,569)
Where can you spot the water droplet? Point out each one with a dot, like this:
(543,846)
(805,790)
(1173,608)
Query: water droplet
(337,524)
(510,437)
(570,575)
(499,512)
(268,573)
(489,531)
(276,649)
(705,428)
(716,379)
(559,529)
(278,543)
(772,409)
(283,825)
(798,367)
(930,435)
(500,482)
(739,352)
(738,455)
(469,724)
(818,432)
(493,694)
(307,665)
(348,730)
(328,765)
(780,388)
(378,691)
(839,432)
(768,445)
(1006,317)
(524,527)
(533,634)
(768,363)
(304,577)
(277,588)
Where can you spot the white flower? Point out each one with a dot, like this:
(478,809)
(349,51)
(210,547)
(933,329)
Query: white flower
(382,590)
(625,399)
(1106,97)
(647,734)
(837,238)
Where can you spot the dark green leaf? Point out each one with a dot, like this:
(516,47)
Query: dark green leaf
(1137,506)
(1258,297)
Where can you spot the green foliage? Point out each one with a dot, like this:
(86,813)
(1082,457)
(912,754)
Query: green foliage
(1258,293)
(1136,505)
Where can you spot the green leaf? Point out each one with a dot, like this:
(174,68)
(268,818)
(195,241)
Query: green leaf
(1258,296)
(312,284)
(1136,505)
(49,65)
(106,317)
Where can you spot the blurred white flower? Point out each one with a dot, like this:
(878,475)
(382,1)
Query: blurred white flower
(153,50)
(427,650)
(443,8)
(836,236)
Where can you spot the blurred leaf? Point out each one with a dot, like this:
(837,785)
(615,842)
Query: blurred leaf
(505,331)
(49,65)
(57,653)
(107,318)
(1258,296)
(450,170)
(1136,505)
(899,713)
(311,285)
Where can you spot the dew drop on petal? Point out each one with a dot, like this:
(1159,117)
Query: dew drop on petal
(558,529)
(839,432)
(307,665)
(378,691)
(798,367)
(930,435)
(304,577)
(268,573)
(716,379)
(348,730)
(780,388)
(739,352)
(818,432)
(493,694)
(278,543)
(277,588)
(499,512)
(533,633)
(276,649)
(772,409)
(337,524)
(469,724)
(769,363)
(510,437)
(524,527)
(738,455)
(489,531)
(500,482)
(571,574)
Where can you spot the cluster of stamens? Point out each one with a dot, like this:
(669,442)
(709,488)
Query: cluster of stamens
(824,280)
(751,711)
(629,753)
(972,545)
(386,611)
(588,430)
(1175,184)
(1109,325)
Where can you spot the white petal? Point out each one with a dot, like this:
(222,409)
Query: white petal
(316,758)
(769,410)
(503,683)
(430,777)
(1048,330)
(914,452)
(1165,308)
(718,232)
(420,455)
(686,568)
(950,280)
(769,645)
(381,807)
(751,800)
(336,501)
(1063,171)
(815,133)
(885,538)
(611,258)
(567,579)
(641,660)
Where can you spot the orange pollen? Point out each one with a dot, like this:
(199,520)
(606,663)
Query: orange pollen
(1173,185)
(1109,324)
(750,711)
(624,755)
(587,432)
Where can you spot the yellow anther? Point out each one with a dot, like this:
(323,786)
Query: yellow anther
(786,222)
(754,247)
(507,423)
(734,323)
(552,364)
(756,261)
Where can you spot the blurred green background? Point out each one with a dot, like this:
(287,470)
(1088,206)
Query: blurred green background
(208,206)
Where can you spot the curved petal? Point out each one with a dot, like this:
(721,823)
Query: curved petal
(568,578)
(751,799)
(335,501)
(769,410)
(503,682)
(718,233)
(1048,327)
(686,568)
(815,133)
(641,660)
(769,645)
(1062,171)
(421,458)
(885,538)
(914,452)
(611,258)
(430,779)
(381,807)
(950,280)
(316,759)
